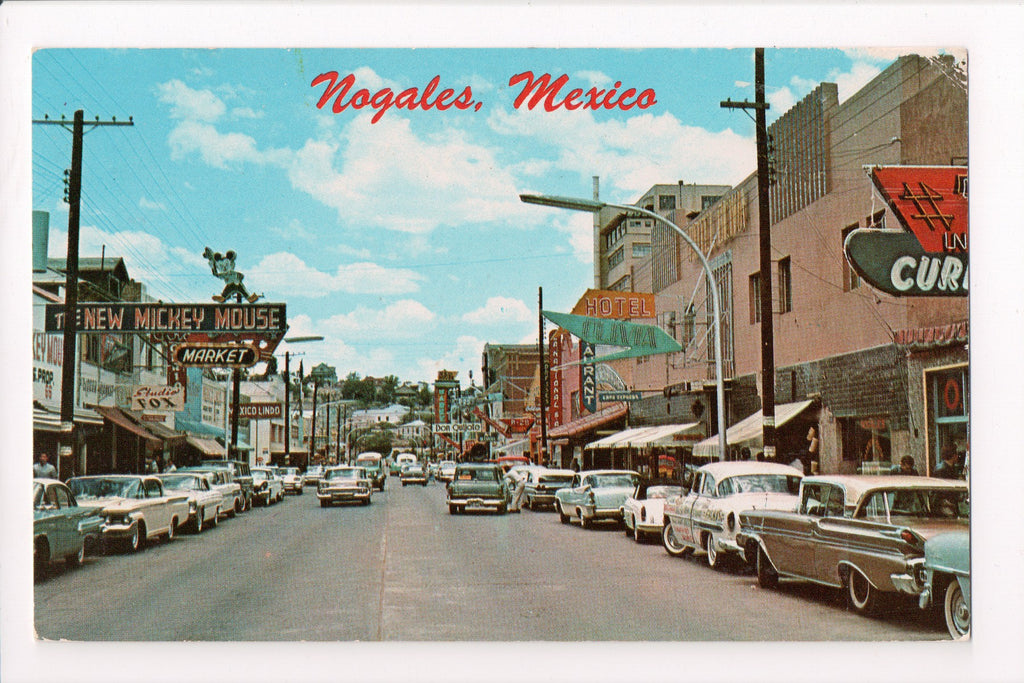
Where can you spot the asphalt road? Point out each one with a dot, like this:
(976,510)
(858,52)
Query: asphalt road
(403,569)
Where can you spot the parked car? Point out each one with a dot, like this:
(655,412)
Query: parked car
(947,579)
(61,528)
(594,496)
(222,481)
(413,474)
(292,479)
(477,485)
(541,485)
(446,470)
(135,508)
(401,460)
(861,533)
(374,464)
(267,487)
(643,511)
(240,471)
(313,474)
(707,517)
(204,502)
(344,483)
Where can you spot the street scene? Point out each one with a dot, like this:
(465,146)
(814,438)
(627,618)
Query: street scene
(644,350)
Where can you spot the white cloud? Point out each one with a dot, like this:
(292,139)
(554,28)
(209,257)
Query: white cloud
(632,154)
(595,79)
(405,319)
(189,104)
(151,205)
(216,149)
(293,231)
(286,274)
(499,310)
(246,113)
(465,357)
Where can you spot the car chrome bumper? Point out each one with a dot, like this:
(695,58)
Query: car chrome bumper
(591,512)
(477,502)
(118,530)
(913,582)
(342,495)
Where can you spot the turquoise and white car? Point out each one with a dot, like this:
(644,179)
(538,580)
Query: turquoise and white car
(947,579)
(62,529)
(595,495)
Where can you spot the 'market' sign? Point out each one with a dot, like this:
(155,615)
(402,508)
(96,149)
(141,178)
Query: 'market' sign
(930,257)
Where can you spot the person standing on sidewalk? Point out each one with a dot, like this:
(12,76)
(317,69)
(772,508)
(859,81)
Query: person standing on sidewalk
(43,469)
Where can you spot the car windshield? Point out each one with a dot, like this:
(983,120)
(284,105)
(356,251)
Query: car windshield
(260,475)
(104,488)
(921,503)
(477,474)
(181,482)
(759,483)
(37,494)
(346,473)
(368,462)
(555,478)
(291,472)
(610,480)
(663,491)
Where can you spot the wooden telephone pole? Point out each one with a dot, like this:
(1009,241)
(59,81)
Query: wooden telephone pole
(67,451)
(765,244)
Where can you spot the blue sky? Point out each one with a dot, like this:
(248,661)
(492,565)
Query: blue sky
(403,241)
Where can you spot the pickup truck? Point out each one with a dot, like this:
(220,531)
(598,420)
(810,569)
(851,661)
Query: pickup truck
(135,508)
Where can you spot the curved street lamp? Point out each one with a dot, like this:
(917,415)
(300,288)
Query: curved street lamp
(591,205)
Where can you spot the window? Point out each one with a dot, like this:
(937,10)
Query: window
(785,286)
(755,298)
(851,280)
(615,258)
(640,250)
(666,202)
(866,440)
(876,221)
(949,408)
(689,325)
(707,200)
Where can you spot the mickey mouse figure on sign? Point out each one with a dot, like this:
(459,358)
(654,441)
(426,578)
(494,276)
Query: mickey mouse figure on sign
(223,266)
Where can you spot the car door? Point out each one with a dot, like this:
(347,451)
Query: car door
(832,541)
(156,509)
(791,539)
(681,515)
(700,506)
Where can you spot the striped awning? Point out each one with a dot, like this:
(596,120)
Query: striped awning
(117,417)
(206,446)
(585,424)
(750,430)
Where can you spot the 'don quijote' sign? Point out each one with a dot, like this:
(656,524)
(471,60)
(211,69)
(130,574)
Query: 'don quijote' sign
(930,257)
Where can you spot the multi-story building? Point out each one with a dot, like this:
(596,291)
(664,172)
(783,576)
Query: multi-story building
(877,370)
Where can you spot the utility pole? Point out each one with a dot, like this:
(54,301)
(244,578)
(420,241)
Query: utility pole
(67,451)
(765,248)
(287,413)
(543,376)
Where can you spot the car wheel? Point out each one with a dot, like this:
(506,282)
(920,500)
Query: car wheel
(239,505)
(41,557)
(672,545)
(403,484)
(502,509)
(198,526)
(324,503)
(714,557)
(562,517)
(172,529)
(862,595)
(138,539)
(958,612)
(75,559)
(216,518)
(638,535)
(767,577)
(584,522)
(452,509)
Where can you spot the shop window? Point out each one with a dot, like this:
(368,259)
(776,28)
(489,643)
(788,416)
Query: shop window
(949,405)
(755,298)
(851,280)
(868,442)
(785,286)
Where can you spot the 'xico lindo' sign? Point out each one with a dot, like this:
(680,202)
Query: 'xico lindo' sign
(930,257)
(114,318)
(260,411)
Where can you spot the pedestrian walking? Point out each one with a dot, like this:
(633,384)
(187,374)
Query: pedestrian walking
(907,466)
(43,469)
(519,477)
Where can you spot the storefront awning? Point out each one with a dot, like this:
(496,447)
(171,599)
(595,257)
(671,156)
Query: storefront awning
(616,440)
(585,424)
(118,417)
(49,421)
(197,428)
(206,446)
(749,431)
(514,447)
(665,435)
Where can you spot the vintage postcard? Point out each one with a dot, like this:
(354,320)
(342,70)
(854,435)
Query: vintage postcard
(419,343)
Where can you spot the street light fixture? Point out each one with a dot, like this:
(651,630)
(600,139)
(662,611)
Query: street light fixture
(591,205)
(288,393)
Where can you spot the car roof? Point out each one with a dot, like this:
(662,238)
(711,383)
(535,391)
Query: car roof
(856,485)
(741,467)
(586,473)
(545,471)
(477,464)
(114,476)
